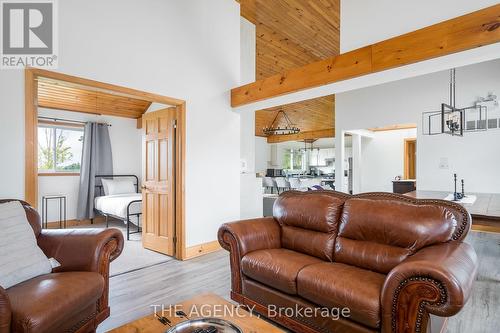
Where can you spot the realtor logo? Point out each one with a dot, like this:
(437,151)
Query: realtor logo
(28,34)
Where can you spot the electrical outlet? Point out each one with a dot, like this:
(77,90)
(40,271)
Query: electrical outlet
(443,163)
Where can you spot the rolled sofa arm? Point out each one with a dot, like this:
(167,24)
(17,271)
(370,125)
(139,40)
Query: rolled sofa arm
(242,237)
(436,280)
(81,249)
(89,250)
(5,312)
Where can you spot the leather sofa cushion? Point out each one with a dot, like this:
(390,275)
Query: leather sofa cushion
(338,285)
(317,244)
(320,212)
(309,222)
(277,268)
(42,303)
(380,234)
(305,313)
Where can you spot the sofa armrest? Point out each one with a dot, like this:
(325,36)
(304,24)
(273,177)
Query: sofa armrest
(242,237)
(81,249)
(5,312)
(251,235)
(436,280)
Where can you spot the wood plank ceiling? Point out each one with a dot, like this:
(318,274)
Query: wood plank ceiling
(293,33)
(53,94)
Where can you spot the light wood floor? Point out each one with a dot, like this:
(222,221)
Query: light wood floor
(481,314)
(132,294)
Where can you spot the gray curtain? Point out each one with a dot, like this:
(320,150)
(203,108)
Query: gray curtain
(97,159)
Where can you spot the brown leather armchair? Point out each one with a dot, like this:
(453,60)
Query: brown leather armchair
(74,297)
(390,259)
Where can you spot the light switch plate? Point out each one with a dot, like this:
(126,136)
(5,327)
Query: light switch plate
(443,163)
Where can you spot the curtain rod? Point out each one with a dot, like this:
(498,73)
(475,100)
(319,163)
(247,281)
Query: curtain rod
(69,120)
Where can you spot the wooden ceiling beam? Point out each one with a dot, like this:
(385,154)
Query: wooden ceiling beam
(462,33)
(311,135)
(393,127)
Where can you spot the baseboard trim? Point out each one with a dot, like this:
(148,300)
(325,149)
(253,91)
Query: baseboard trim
(74,223)
(486,228)
(201,249)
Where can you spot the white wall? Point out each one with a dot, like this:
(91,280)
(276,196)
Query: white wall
(382,159)
(251,186)
(126,148)
(185,49)
(474,157)
(367,22)
(262,155)
(247,68)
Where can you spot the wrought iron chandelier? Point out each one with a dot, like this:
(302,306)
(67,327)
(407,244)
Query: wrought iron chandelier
(275,129)
(452,116)
(455,120)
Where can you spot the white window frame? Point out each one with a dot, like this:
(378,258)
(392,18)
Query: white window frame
(56,126)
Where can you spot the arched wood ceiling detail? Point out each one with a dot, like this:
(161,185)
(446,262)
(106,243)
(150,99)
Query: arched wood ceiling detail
(293,33)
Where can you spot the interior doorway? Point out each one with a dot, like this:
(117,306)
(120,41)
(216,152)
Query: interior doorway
(159,180)
(101,98)
(410,158)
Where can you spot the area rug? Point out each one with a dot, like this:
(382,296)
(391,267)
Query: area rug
(134,256)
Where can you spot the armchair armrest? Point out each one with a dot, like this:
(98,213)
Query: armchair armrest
(84,250)
(436,280)
(5,312)
(242,237)
(81,249)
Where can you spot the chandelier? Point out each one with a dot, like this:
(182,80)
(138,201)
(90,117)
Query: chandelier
(452,116)
(275,129)
(455,120)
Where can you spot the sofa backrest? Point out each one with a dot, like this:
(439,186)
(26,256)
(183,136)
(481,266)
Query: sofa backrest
(309,221)
(379,231)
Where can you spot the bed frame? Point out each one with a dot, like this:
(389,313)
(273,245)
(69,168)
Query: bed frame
(100,191)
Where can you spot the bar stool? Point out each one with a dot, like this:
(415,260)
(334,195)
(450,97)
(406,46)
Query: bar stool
(282,184)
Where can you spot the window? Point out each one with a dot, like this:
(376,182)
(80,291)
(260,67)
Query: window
(293,160)
(59,149)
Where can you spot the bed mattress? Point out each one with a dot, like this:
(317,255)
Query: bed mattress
(117,204)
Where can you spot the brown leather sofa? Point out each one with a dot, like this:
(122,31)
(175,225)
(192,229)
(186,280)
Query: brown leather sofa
(74,297)
(392,260)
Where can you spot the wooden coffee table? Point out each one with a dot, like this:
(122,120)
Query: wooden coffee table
(206,304)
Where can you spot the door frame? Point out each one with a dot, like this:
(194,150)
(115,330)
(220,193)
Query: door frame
(406,168)
(31,76)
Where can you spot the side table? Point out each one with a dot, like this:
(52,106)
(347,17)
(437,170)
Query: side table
(62,209)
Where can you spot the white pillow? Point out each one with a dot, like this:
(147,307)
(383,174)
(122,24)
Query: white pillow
(112,186)
(20,257)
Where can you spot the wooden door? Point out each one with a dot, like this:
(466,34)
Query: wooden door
(410,159)
(158,190)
